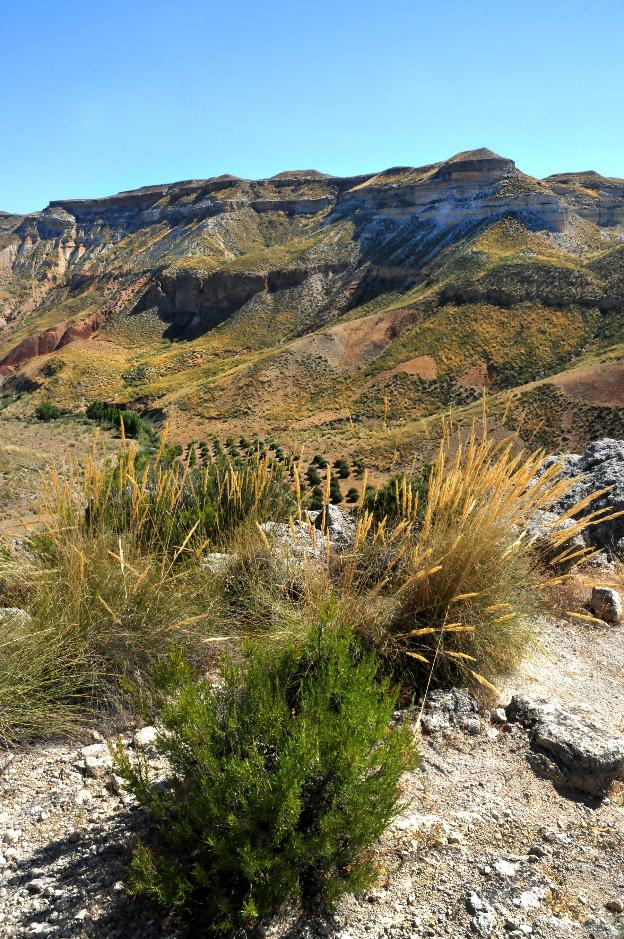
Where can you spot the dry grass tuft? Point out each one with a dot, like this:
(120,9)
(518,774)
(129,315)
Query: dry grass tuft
(458,596)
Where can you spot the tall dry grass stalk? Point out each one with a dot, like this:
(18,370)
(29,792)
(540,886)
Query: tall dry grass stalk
(165,506)
(458,592)
(113,577)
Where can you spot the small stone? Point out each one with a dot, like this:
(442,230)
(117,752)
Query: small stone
(606,603)
(455,838)
(482,923)
(145,738)
(499,716)
(615,906)
(35,886)
(11,836)
(475,903)
(528,899)
(505,868)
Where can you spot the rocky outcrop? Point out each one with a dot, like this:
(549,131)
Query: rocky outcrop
(510,284)
(571,745)
(470,187)
(600,466)
(338,524)
(446,711)
(50,340)
(194,302)
(606,603)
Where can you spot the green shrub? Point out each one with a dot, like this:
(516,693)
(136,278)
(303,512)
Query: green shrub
(132,423)
(47,412)
(316,498)
(335,493)
(313,476)
(320,461)
(109,414)
(342,466)
(282,778)
(352,495)
(391,500)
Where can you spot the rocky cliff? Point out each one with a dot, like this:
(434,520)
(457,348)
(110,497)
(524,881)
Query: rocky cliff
(470,264)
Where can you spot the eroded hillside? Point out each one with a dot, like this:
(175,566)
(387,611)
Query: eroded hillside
(315,305)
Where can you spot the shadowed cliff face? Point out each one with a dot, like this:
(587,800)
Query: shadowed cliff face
(441,261)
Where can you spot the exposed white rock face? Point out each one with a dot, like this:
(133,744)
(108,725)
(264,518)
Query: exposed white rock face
(606,604)
(217,562)
(601,466)
(571,745)
(339,524)
(13,614)
(296,543)
(308,538)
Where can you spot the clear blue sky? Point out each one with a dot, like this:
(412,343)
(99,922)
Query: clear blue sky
(104,95)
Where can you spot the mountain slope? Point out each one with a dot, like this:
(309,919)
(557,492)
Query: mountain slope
(307,299)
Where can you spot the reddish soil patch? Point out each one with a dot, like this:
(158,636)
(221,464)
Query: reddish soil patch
(476,377)
(424,366)
(50,340)
(598,384)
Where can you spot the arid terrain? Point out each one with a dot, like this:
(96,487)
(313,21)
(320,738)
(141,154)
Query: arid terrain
(328,311)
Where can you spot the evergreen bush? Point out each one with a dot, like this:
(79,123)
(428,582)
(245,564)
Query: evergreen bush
(282,778)
(316,498)
(313,476)
(335,493)
(47,412)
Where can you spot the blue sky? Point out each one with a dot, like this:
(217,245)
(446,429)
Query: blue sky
(103,96)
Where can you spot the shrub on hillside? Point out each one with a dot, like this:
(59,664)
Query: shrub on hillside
(335,493)
(462,583)
(312,475)
(316,500)
(400,497)
(352,495)
(282,778)
(342,466)
(108,414)
(47,412)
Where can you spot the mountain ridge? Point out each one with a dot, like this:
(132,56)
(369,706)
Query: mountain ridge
(485,276)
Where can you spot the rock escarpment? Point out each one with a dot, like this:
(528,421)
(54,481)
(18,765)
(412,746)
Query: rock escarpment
(456,246)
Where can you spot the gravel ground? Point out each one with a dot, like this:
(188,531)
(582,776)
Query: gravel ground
(486,848)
